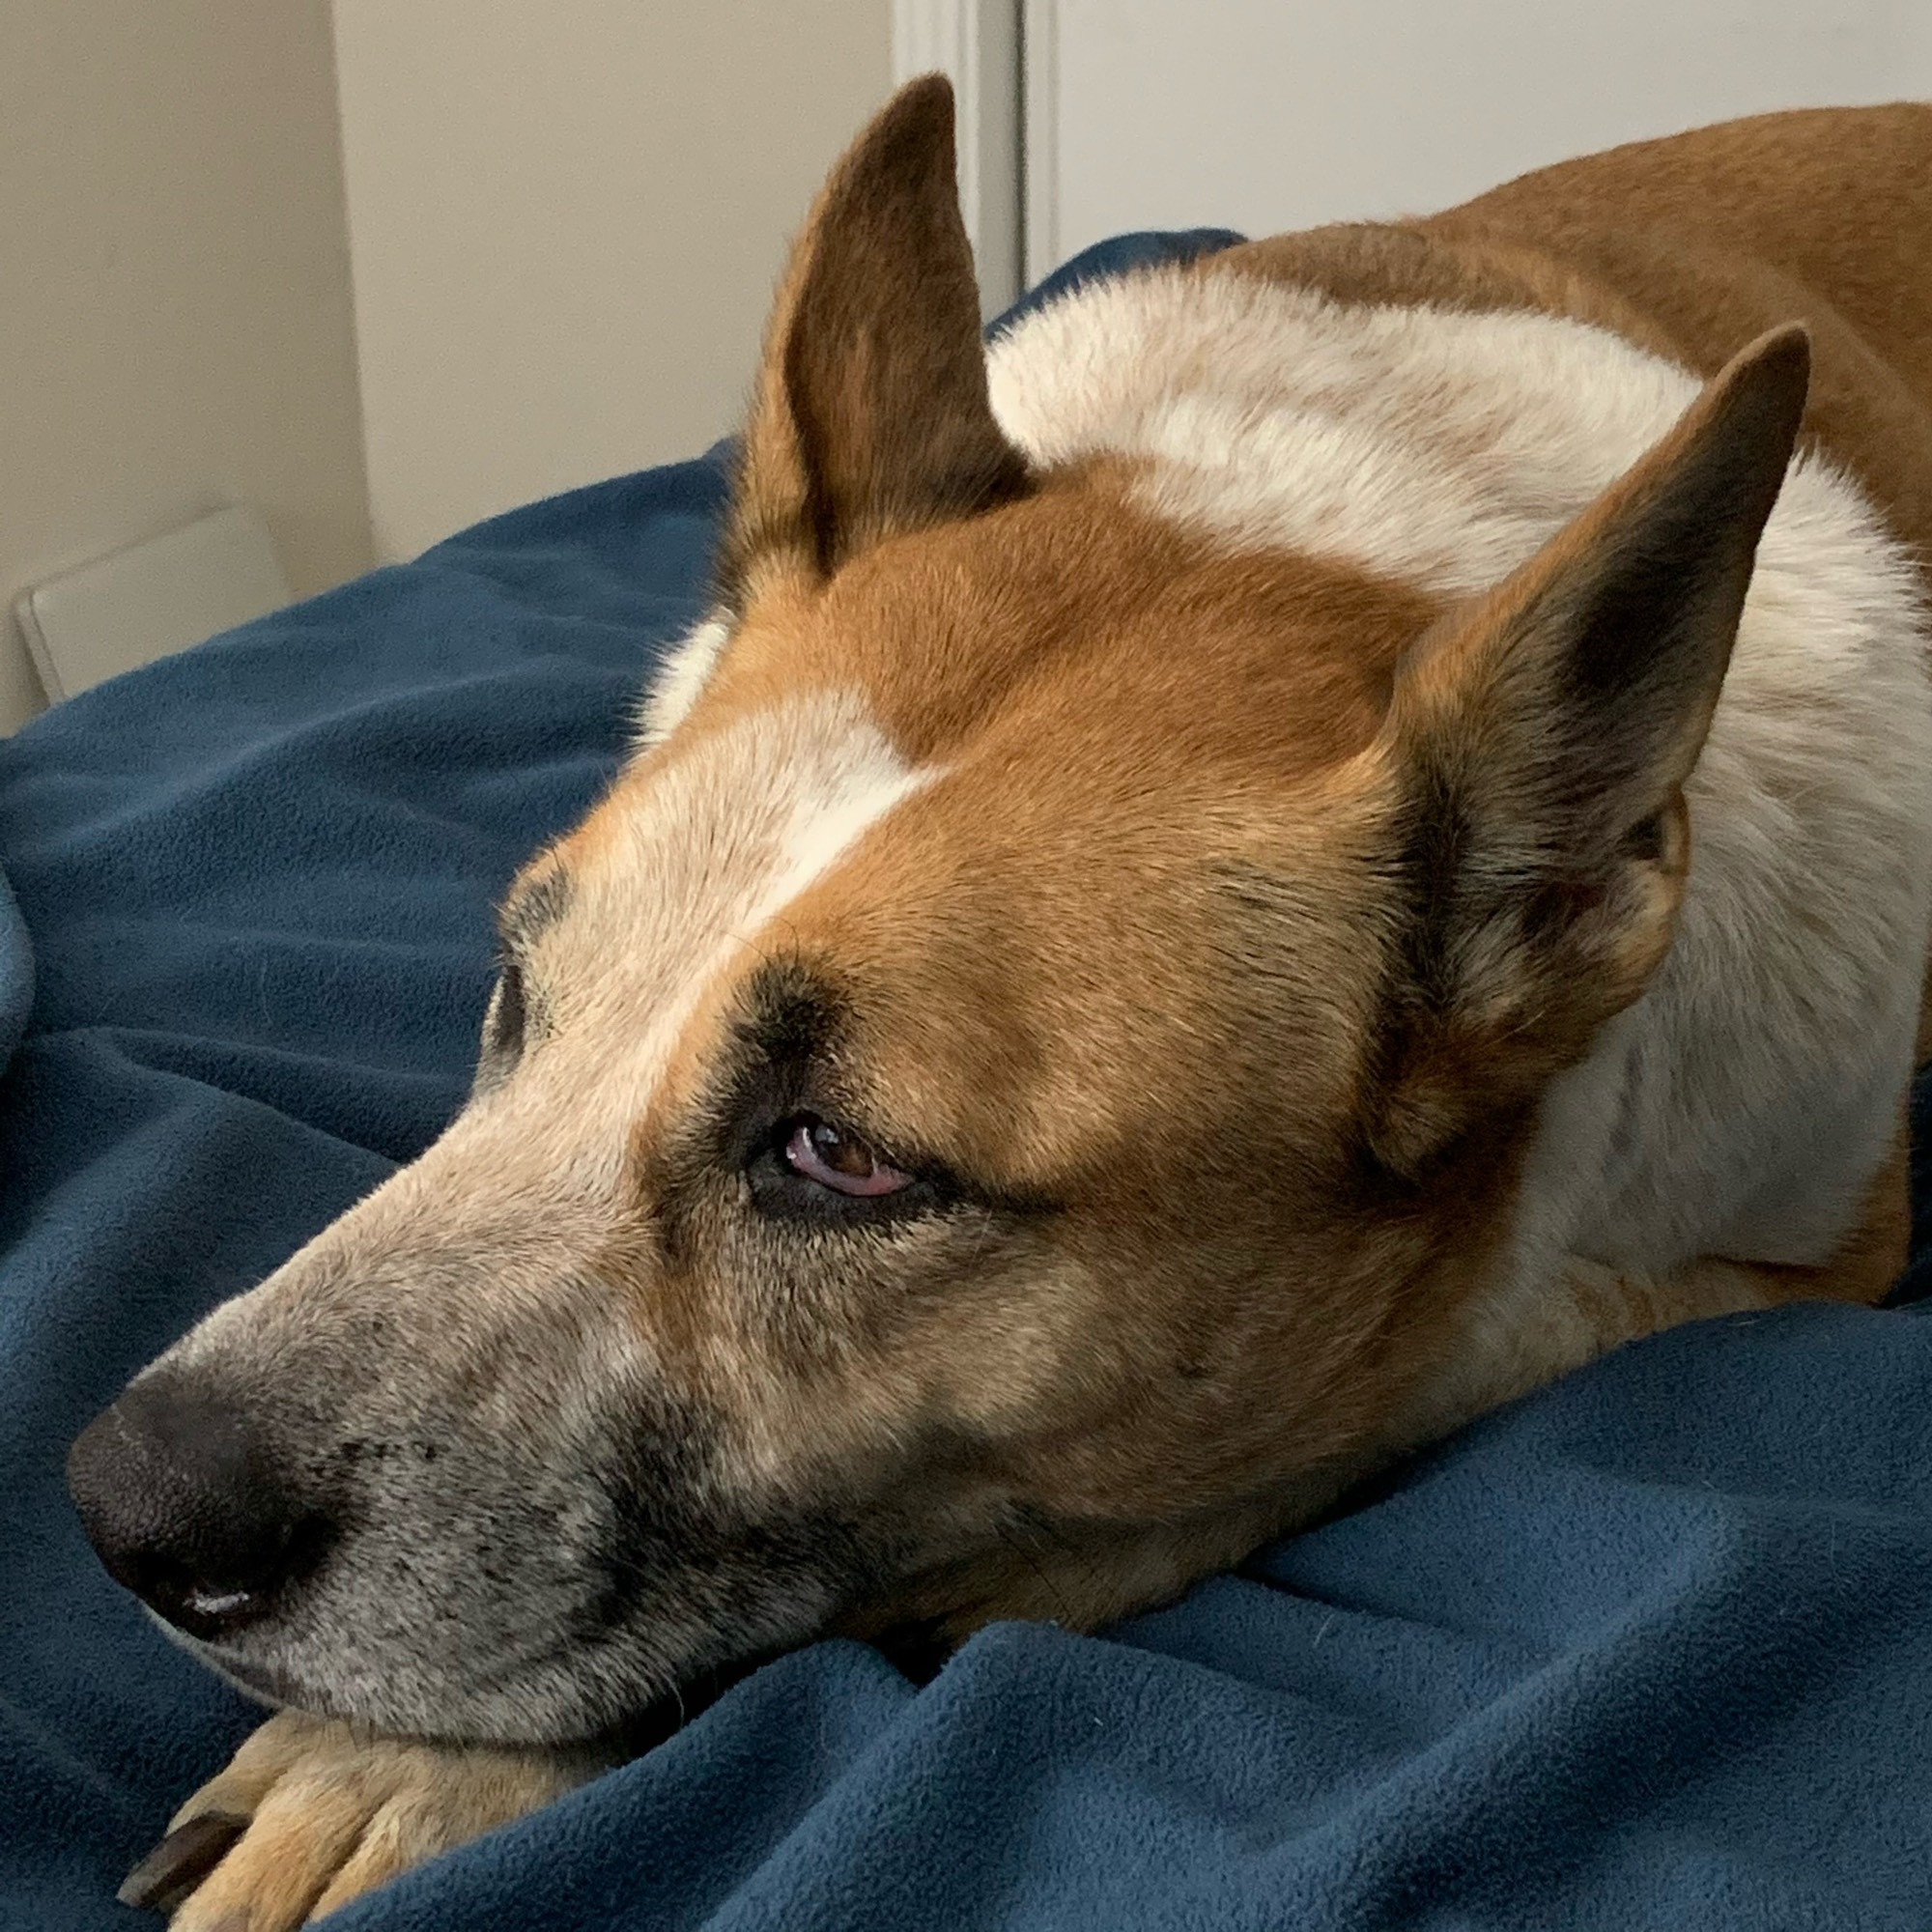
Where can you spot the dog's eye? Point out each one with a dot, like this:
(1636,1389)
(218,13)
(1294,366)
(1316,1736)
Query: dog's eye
(809,1171)
(839,1159)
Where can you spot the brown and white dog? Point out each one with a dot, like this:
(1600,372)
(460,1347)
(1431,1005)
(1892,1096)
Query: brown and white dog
(1304,844)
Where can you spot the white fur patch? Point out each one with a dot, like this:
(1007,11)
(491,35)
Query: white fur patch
(690,881)
(680,678)
(1742,1105)
(1426,444)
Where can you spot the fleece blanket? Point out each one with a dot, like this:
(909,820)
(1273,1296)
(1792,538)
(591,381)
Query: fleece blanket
(1650,1648)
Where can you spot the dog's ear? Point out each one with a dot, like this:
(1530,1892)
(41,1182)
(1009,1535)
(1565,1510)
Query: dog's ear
(1539,746)
(870,414)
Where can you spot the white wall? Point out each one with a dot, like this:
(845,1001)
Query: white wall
(1260,116)
(566,219)
(175,329)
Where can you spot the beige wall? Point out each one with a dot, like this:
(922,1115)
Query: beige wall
(175,328)
(566,218)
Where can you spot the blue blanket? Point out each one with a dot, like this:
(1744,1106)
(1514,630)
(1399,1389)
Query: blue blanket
(1650,1648)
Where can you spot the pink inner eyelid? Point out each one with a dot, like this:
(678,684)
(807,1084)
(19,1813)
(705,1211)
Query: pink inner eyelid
(806,1159)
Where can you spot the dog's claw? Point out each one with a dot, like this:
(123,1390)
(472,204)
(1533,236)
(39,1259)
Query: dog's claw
(180,1863)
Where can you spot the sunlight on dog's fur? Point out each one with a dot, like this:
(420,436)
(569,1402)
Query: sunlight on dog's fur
(1232,881)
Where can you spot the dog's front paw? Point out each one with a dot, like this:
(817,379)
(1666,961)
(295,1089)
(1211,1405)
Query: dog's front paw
(311,1812)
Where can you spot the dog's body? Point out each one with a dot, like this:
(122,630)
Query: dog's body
(1441,450)
(1195,919)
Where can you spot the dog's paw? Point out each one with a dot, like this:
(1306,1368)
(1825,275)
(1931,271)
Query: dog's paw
(311,1812)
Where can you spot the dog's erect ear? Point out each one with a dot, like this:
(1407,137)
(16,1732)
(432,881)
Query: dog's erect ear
(870,416)
(1540,748)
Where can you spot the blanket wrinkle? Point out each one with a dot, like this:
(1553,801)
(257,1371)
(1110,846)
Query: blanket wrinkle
(1651,1647)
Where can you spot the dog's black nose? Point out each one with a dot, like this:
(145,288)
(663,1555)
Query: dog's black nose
(185,1508)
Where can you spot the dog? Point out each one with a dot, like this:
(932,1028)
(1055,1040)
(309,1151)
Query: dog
(1307,842)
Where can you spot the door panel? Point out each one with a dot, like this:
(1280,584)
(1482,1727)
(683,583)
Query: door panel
(1257,116)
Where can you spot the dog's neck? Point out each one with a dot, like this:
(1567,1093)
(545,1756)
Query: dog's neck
(1739,1108)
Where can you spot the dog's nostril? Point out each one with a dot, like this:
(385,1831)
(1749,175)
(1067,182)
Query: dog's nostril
(201,1610)
(213,1601)
(185,1508)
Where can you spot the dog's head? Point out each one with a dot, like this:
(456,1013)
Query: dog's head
(1001,1105)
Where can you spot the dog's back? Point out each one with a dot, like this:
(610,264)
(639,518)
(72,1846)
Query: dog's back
(1690,246)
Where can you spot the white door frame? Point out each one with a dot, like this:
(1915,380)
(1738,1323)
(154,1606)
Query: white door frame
(1039,139)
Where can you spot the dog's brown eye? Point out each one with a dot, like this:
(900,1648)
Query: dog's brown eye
(840,1160)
